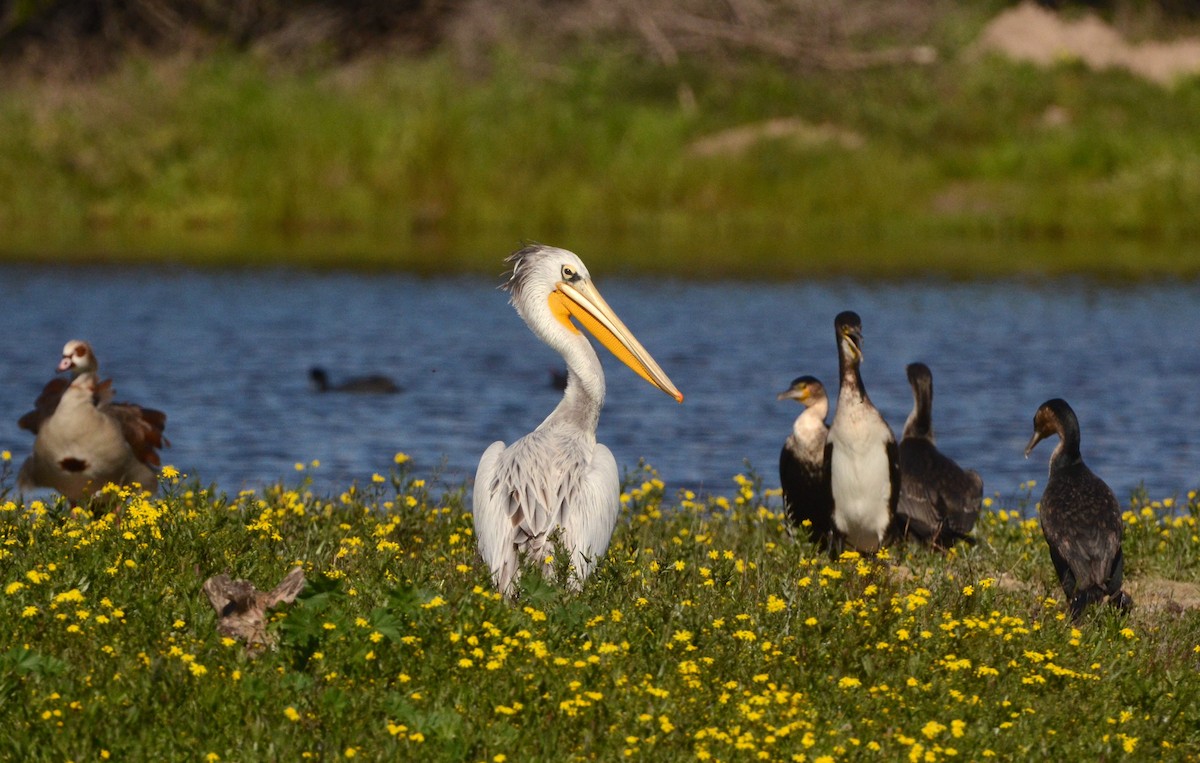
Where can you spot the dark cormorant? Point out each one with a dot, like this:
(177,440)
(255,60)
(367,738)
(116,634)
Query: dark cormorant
(374,384)
(802,461)
(939,502)
(860,455)
(1080,516)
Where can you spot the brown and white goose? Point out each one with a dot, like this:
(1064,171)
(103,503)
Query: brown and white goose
(84,440)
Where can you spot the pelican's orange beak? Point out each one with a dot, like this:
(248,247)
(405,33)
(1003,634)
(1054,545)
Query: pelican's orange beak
(583,302)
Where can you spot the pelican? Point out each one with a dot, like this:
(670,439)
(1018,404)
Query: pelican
(557,486)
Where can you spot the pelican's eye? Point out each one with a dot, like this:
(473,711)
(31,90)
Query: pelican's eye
(568,273)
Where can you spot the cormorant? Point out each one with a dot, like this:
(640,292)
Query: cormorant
(939,502)
(1080,516)
(374,384)
(860,455)
(806,494)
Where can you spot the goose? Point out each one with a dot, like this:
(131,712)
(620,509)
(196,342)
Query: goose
(861,458)
(939,502)
(84,440)
(557,482)
(376,384)
(806,494)
(1080,516)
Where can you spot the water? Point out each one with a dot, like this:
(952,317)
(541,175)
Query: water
(226,355)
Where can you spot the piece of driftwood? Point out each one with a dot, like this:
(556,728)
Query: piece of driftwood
(242,608)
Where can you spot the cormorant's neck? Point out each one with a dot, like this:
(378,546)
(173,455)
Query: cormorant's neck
(920,421)
(811,419)
(1067,453)
(851,381)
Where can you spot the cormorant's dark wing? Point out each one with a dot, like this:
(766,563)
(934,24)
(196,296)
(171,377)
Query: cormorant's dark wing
(1081,520)
(939,502)
(806,494)
(893,455)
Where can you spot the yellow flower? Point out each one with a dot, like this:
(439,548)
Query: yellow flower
(13,587)
(291,714)
(401,458)
(170,472)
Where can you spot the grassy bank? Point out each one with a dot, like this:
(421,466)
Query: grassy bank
(707,634)
(967,167)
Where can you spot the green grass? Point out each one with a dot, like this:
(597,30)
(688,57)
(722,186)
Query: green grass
(416,164)
(707,634)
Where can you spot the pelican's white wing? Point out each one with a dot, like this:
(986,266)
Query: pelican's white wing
(493,524)
(588,521)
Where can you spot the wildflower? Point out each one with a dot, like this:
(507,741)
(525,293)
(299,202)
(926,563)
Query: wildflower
(170,472)
(291,714)
(849,682)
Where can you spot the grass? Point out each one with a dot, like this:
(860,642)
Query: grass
(707,634)
(964,167)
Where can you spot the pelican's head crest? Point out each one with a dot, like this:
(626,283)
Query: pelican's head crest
(539,268)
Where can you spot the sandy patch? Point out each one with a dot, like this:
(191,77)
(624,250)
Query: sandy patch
(1163,595)
(739,139)
(1034,34)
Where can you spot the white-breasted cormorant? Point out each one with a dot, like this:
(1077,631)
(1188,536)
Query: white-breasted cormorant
(860,455)
(1080,516)
(806,494)
(939,501)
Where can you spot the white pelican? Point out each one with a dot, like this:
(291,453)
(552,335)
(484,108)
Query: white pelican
(558,478)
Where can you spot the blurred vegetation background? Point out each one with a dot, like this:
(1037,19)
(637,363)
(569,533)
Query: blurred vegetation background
(727,137)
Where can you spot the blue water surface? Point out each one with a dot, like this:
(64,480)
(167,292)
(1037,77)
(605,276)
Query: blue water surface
(226,355)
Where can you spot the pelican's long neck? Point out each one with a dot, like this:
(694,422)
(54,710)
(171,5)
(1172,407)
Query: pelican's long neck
(584,396)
